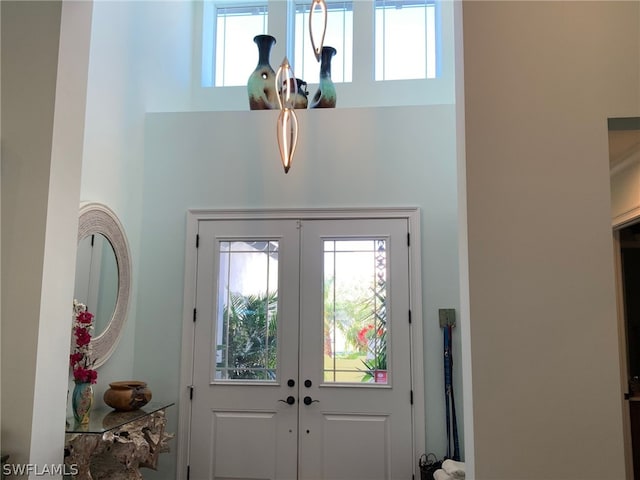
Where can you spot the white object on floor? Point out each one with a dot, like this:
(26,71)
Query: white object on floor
(454,469)
(440,474)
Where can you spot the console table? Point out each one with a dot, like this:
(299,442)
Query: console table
(115,445)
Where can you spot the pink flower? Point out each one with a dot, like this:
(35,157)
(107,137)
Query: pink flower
(76,357)
(85,375)
(92,375)
(83,337)
(79,358)
(84,317)
(362,334)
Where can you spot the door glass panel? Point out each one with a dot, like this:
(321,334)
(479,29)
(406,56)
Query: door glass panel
(355,316)
(246,320)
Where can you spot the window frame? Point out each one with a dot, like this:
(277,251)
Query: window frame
(363,90)
(436,34)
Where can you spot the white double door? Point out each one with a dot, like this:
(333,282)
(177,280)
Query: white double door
(302,351)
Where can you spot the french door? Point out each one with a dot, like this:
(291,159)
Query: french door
(302,365)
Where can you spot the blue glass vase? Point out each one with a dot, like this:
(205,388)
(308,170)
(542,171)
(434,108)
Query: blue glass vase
(81,402)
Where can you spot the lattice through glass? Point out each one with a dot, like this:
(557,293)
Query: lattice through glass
(355,311)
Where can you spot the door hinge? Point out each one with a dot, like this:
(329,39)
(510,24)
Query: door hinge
(408,239)
(409,316)
(93,238)
(188,471)
(197,240)
(195,314)
(411,397)
(191,389)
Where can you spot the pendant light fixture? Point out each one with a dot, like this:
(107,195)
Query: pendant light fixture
(318,7)
(287,87)
(287,128)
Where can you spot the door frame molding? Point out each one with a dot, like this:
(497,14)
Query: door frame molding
(194,216)
(623,344)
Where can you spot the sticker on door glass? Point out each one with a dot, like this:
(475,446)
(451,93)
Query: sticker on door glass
(355,311)
(246,320)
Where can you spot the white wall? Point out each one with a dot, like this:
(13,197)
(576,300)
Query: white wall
(140,59)
(140,56)
(391,156)
(542,309)
(547,399)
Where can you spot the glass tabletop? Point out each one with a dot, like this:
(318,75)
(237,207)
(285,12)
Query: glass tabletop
(103,418)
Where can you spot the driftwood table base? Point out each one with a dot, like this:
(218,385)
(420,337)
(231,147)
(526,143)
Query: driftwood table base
(119,453)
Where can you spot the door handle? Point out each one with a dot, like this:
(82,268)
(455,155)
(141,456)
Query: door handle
(290,400)
(308,400)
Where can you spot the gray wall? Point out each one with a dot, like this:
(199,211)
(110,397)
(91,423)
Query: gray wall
(547,397)
(45,56)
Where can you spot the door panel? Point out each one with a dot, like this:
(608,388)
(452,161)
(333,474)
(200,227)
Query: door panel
(240,428)
(369,442)
(354,423)
(311,379)
(239,436)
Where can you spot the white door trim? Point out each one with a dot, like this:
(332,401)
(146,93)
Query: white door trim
(412,214)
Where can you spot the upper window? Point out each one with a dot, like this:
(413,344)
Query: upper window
(403,43)
(228,51)
(405,39)
(339,35)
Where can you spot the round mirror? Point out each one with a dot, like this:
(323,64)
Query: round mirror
(103,276)
(97,279)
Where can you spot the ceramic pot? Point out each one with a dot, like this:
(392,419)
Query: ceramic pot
(81,402)
(380,376)
(261,85)
(127,396)
(325,97)
(300,97)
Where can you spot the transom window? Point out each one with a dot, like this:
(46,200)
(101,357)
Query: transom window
(228,51)
(402,44)
(405,39)
(339,35)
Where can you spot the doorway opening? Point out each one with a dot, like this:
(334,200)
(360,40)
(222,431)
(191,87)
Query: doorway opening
(624,166)
(302,361)
(629,238)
